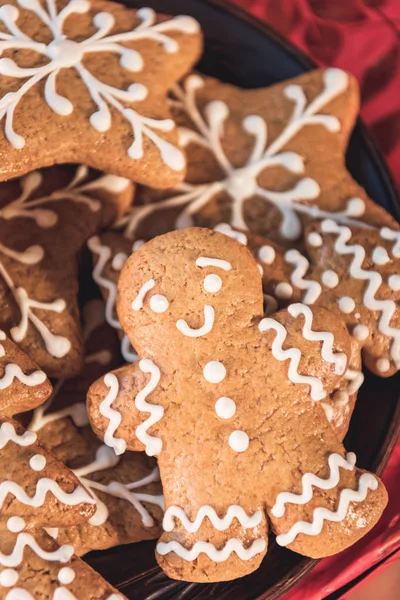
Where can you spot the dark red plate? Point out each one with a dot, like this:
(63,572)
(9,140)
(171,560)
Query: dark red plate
(241,50)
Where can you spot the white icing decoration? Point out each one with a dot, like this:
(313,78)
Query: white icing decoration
(366,482)
(66,575)
(347,305)
(153,445)
(314,239)
(104,253)
(118,261)
(8,578)
(387,307)
(214,372)
(43,487)
(267,254)
(8,434)
(62,53)
(127,351)
(383,365)
(394,282)
(113,416)
(301,265)
(328,410)
(360,332)
(184,328)
(260,269)
(392,236)
(226,229)
(309,480)
(26,540)
(221,524)
(292,354)
(380,256)
(339,359)
(233,545)
(37,462)
(12,371)
(241,182)
(137,303)
(283,290)
(239,441)
(212,283)
(15,524)
(158,303)
(225,407)
(202,261)
(330,279)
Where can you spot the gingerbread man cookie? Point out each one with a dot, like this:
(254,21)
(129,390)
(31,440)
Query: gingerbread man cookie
(267,160)
(229,402)
(85,81)
(45,219)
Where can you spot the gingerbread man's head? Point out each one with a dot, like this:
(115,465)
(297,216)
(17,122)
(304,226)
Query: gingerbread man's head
(229,402)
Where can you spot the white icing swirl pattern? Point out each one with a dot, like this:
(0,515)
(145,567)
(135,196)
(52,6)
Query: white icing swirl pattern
(221,524)
(233,545)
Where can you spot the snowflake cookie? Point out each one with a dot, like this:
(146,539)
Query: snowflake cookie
(224,392)
(266,160)
(85,81)
(45,219)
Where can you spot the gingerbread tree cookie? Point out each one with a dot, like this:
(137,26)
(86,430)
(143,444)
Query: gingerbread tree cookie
(127,488)
(223,398)
(32,565)
(268,160)
(85,81)
(45,219)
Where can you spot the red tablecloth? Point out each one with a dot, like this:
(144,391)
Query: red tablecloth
(363,37)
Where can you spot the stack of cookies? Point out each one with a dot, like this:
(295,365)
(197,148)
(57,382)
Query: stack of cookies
(203,381)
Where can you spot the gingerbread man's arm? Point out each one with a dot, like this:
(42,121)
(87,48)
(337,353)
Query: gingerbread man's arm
(119,410)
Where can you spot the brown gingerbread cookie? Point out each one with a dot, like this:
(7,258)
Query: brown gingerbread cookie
(33,565)
(45,219)
(268,160)
(85,81)
(223,392)
(127,488)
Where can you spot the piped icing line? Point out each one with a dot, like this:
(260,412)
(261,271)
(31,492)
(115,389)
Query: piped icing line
(184,328)
(339,359)
(43,487)
(153,444)
(64,53)
(8,434)
(366,482)
(26,540)
(221,524)
(13,371)
(309,480)
(373,279)
(204,261)
(293,355)
(392,236)
(137,303)
(233,545)
(104,253)
(226,229)
(113,416)
(312,288)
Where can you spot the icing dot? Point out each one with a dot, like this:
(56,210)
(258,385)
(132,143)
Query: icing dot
(380,256)
(347,304)
(360,332)
(118,261)
(266,254)
(136,245)
(314,239)
(158,303)
(37,462)
(383,365)
(15,524)
(214,371)
(239,441)
(394,282)
(212,283)
(66,575)
(283,290)
(330,279)
(8,578)
(225,408)
(355,207)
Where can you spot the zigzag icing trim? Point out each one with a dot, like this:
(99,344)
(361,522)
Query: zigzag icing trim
(339,359)
(233,512)
(366,482)
(113,416)
(312,288)
(13,371)
(309,480)
(26,540)
(43,486)
(233,545)
(8,434)
(153,444)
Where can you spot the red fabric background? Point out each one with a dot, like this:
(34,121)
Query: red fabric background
(363,37)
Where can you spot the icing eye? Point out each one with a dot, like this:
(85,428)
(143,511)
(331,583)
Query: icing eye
(212,283)
(158,303)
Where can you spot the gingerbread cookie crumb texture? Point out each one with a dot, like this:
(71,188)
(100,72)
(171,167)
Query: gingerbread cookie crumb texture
(85,81)
(230,391)
(45,219)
